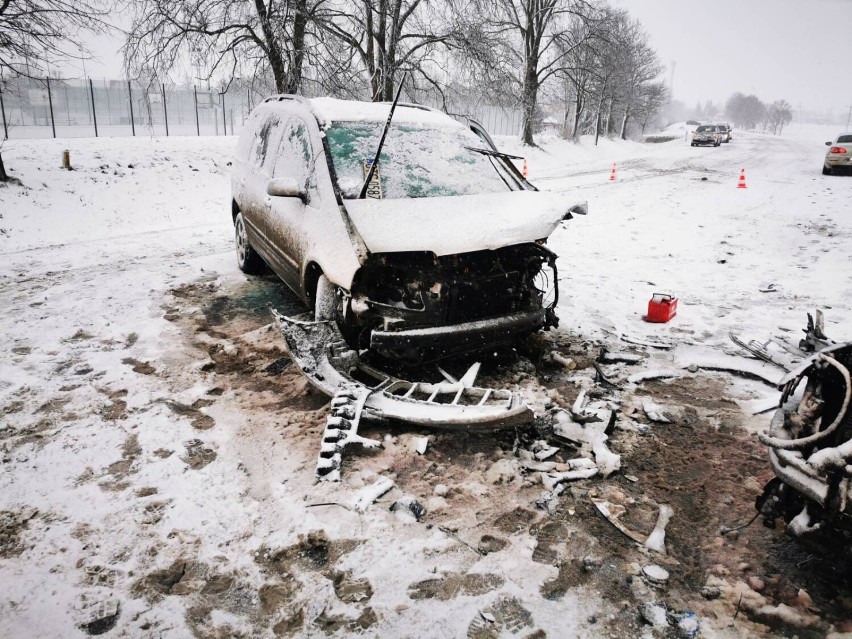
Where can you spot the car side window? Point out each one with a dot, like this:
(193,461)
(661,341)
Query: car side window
(295,157)
(267,135)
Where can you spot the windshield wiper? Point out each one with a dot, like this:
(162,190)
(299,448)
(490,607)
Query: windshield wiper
(375,161)
(491,152)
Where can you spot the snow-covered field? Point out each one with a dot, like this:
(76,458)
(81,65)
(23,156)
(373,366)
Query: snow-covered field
(158,450)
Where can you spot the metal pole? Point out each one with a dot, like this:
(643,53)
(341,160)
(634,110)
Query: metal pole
(50,101)
(3,110)
(165,112)
(130,102)
(94,113)
(224,123)
(848,118)
(195,96)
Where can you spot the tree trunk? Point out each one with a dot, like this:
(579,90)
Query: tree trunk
(578,110)
(3,176)
(273,49)
(300,26)
(624,124)
(530,97)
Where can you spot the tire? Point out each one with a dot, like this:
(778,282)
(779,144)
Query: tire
(717,144)
(325,301)
(693,144)
(247,258)
(826,170)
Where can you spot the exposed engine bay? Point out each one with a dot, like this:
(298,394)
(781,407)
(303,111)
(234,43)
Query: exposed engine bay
(416,306)
(810,447)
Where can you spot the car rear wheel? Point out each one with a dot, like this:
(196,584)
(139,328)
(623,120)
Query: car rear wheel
(826,170)
(247,258)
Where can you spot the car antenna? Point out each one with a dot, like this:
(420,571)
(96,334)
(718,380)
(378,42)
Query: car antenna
(382,140)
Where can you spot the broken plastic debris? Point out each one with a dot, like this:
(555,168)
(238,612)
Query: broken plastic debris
(559,358)
(420,444)
(664,373)
(407,507)
(687,624)
(613,513)
(654,411)
(657,539)
(367,495)
(655,614)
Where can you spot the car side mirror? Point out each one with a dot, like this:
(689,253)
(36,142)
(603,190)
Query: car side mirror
(828,144)
(285,187)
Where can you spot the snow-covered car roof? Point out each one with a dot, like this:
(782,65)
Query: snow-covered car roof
(328,110)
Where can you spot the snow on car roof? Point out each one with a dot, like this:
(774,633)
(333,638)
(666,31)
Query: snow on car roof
(330,110)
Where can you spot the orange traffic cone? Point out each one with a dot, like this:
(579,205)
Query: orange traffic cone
(741,184)
(524,172)
(612,174)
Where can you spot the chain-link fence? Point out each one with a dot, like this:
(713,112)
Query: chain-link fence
(56,107)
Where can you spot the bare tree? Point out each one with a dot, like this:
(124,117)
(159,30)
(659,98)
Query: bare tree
(37,33)
(532,36)
(391,37)
(254,37)
(779,114)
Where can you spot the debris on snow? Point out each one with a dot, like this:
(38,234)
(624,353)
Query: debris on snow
(419,444)
(655,412)
(592,437)
(654,614)
(663,373)
(408,508)
(615,357)
(655,575)
(657,539)
(566,362)
(366,496)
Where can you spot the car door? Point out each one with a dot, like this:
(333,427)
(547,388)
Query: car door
(254,180)
(287,217)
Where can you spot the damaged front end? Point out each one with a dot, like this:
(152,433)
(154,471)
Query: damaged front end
(417,307)
(810,448)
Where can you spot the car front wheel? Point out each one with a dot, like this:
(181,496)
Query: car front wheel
(247,258)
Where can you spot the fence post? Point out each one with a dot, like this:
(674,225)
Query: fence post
(3,109)
(50,102)
(224,123)
(130,102)
(94,113)
(165,111)
(195,97)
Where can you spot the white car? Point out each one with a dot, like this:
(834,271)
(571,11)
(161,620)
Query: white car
(839,155)
(441,252)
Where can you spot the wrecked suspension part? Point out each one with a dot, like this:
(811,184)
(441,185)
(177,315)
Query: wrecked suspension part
(810,447)
(363,392)
(417,306)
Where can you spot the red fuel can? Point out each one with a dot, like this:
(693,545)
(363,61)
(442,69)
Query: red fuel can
(661,308)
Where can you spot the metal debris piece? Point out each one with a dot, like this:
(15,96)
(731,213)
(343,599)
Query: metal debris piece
(655,575)
(367,495)
(760,350)
(815,338)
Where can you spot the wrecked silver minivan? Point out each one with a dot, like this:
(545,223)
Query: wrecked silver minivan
(441,252)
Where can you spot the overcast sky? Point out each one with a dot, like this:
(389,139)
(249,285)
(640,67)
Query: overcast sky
(797,50)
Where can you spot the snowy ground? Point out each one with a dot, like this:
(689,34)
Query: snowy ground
(158,450)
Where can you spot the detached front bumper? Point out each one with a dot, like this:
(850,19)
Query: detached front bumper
(422,344)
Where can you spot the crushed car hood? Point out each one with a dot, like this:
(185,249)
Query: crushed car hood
(458,224)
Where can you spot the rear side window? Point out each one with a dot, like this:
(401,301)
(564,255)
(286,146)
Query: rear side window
(706,129)
(845,138)
(266,139)
(295,156)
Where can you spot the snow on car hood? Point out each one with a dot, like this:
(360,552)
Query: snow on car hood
(457,224)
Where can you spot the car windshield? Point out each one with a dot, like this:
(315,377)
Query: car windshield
(706,129)
(416,160)
(845,138)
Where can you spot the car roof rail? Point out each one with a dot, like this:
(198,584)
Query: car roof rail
(281,97)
